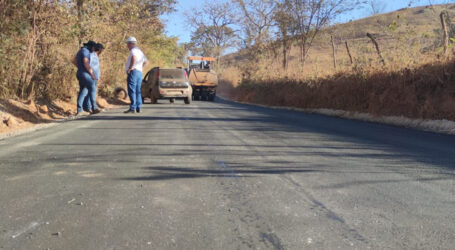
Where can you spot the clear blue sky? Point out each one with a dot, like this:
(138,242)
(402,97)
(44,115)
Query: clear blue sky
(176,23)
(177,26)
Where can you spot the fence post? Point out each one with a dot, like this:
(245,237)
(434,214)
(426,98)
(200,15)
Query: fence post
(334,53)
(349,52)
(446,33)
(377,48)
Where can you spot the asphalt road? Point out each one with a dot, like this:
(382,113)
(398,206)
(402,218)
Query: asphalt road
(226,176)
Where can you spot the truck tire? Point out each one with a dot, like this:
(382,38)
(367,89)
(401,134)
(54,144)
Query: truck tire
(187,100)
(204,96)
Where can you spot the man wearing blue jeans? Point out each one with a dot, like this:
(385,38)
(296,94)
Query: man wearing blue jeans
(85,74)
(134,65)
(95,65)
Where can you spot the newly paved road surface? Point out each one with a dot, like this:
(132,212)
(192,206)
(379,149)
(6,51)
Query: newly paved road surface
(226,176)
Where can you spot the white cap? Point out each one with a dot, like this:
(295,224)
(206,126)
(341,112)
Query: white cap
(131,39)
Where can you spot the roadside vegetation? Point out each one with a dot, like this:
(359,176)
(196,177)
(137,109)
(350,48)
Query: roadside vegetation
(40,38)
(399,63)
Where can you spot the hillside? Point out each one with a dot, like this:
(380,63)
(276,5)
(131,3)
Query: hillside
(407,38)
(415,82)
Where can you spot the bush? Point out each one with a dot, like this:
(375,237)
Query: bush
(426,92)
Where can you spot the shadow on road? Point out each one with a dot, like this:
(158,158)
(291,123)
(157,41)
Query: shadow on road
(402,150)
(170,173)
(166,173)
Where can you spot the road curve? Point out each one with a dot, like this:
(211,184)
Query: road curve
(226,176)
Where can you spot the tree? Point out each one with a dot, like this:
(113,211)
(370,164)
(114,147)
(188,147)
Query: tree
(39,38)
(285,29)
(310,16)
(256,20)
(376,6)
(213,32)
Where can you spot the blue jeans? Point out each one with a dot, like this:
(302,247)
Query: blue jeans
(86,85)
(88,105)
(134,81)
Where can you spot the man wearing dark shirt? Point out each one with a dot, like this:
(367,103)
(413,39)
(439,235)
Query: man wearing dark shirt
(85,74)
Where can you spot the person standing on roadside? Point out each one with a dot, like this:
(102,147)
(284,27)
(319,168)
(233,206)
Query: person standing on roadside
(85,74)
(134,65)
(95,65)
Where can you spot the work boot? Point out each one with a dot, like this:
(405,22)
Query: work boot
(138,110)
(130,111)
(96,111)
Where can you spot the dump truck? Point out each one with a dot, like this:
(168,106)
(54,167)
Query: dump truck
(203,79)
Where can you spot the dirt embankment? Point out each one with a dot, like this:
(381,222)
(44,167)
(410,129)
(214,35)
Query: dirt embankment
(426,92)
(17,115)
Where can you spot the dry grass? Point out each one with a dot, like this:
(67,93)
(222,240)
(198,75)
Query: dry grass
(426,92)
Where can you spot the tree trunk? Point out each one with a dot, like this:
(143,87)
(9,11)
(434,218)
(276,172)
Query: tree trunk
(303,50)
(349,52)
(79,7)
(446,33)
(303,54)
(377,48)
(334,53)
(285,55)
(29,58)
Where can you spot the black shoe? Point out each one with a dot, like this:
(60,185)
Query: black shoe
(130,111)
(96,111)
(138,110)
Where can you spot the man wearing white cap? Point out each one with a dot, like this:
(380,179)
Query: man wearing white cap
(136,61)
